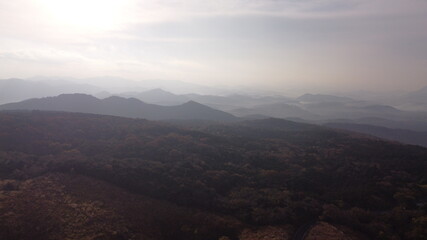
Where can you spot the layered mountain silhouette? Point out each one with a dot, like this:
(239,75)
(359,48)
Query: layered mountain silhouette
(224,103)
(323,98)
(276,110)
(416,100)
(158,96)
(119,106)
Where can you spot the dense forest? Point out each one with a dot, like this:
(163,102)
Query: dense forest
(216,178)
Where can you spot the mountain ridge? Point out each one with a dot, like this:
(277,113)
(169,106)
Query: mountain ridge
(119,106)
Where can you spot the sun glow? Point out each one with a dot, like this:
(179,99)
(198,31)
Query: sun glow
(86,14)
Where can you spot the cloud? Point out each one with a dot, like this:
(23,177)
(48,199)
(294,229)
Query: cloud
(233,41)
(160,10)
(50,56)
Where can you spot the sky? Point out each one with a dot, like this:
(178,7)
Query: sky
(267,44)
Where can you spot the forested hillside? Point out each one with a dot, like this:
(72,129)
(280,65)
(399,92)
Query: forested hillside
(247,174)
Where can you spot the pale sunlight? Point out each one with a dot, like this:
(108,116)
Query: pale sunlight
(86,14)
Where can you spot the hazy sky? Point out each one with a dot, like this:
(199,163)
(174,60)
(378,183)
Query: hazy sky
(275,44)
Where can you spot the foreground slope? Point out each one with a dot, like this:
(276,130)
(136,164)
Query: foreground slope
(254,173)
(70,206)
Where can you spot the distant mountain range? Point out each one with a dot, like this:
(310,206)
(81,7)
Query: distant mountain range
(323,98)
(276,110)
(14,89)
(398,112)
(225,103)
(416,100)
(311,107)
(191,110)
(158,96)
(118,84)
(119,106)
